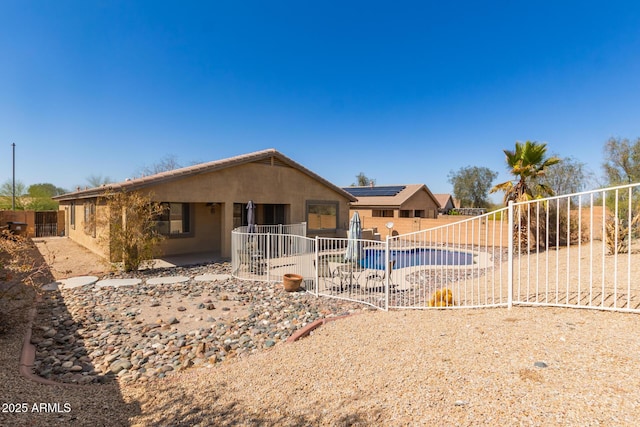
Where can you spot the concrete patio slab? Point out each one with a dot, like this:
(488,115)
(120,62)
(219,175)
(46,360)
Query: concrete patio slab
(77,282)
(53,286)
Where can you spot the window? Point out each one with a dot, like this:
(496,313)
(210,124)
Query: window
(322,215)
(90,218)
(419,214)
(72,215)
(239,214)
(405,213)
(382,213)
(174,220)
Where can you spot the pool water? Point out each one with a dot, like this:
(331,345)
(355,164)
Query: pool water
(375,258)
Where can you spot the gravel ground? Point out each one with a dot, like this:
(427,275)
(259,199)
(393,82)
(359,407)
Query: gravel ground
(524,366)
(26,403)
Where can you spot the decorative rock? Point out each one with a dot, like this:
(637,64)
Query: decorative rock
(119,365)
(167,280)
(113,340)
(212,277)
(50,333)
(115,283)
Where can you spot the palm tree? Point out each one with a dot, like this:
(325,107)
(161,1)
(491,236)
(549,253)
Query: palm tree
(526,163)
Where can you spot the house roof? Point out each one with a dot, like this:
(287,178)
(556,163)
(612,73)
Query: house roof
(444,198)
(269,155)
(387,196)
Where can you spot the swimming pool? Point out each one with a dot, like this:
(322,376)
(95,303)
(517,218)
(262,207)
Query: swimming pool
(374,258)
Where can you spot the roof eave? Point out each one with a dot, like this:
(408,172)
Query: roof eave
(176,174)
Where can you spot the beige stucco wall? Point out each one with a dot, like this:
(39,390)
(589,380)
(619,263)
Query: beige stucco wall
(262,183)
(97,244)
(411,225)
(205,236)
(212,224)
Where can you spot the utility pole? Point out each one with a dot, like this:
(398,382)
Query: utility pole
(13,199)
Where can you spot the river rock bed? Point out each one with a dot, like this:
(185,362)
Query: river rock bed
(135,333)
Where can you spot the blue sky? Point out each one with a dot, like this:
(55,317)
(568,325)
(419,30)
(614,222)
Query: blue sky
(403,91)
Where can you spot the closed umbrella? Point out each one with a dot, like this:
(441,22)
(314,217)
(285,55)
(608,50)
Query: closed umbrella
(251,217)
(354,248)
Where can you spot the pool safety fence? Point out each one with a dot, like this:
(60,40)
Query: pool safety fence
(579,250)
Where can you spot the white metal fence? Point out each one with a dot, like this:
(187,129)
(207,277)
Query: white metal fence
(580,250)
(363,279)
(456,265)
(271,251)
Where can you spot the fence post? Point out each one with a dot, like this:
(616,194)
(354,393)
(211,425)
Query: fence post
(510,255)
(317,265)
(268,239)
(386,276)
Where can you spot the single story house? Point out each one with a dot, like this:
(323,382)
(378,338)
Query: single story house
(205,202)
(446,202)
(394,201)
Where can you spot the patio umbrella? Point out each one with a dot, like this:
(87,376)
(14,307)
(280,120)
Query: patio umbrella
(355,234)
(251,217)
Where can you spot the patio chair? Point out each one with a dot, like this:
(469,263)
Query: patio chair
(350,275)
(334,277)
(376,278)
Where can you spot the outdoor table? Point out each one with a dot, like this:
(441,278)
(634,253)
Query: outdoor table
(349,275)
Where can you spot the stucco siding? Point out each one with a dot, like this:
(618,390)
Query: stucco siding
(276,185)
(97,243)
(204,236)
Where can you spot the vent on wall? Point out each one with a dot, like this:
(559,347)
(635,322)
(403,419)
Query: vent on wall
(272,161)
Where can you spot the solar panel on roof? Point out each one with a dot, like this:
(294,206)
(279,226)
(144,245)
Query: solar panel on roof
(385,191)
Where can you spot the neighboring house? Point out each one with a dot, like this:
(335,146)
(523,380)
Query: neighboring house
(446,202)
(207,201)
(394,201)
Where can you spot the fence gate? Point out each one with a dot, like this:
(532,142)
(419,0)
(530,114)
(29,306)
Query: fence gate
(46,224)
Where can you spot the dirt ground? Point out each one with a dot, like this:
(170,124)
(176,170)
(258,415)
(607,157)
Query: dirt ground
(66,258)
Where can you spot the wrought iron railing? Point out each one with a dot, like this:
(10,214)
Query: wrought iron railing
(579,250)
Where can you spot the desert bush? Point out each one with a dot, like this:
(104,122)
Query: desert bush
(22,274)
(617,232)
(442,298)
(622,219)
(557,226)
(132,237)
